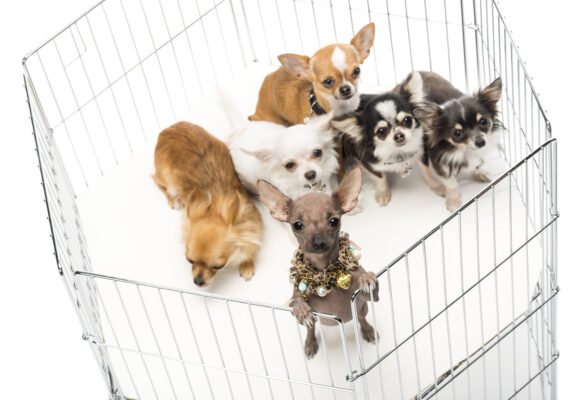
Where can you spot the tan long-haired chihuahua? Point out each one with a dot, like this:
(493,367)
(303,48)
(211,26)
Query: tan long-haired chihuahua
(222,227)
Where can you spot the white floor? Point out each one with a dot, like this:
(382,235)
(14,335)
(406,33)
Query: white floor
(133,234)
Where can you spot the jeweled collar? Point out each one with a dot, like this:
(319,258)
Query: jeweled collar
(310,280)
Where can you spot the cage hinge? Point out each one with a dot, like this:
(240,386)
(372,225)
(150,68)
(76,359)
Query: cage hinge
(549,127)
(91,338)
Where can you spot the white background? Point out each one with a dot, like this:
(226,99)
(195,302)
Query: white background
(41,351)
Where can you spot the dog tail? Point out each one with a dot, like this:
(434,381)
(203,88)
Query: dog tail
(232,111)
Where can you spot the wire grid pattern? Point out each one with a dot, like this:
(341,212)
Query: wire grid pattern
(116,76)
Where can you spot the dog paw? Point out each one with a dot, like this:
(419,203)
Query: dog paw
(175,204)
(311,347)
(481,175)
(247,270)
(367,281)
(453,203)
(438,190)
(368,334)
(382,197)
(304,314)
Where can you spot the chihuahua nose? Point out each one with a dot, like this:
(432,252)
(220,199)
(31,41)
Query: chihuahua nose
(345,90)
(310,175)
(480,142)
(399,137)
(199,282)
(319,242)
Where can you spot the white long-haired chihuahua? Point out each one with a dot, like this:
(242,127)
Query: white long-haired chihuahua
(295,159)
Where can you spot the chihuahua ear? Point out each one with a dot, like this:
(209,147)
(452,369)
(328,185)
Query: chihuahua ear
(363,41)
(298,66)
(426,112)
(490,95)
(347,192)
(278,203)
(413,88)
(348,124)
(261,154)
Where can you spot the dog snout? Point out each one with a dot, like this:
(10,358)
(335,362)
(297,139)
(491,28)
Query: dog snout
(399,137)
(199,282)
(319,243)
(345,91)
(310,175)
(480,142)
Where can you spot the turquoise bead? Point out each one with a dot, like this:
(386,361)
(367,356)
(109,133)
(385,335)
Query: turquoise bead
(302,286)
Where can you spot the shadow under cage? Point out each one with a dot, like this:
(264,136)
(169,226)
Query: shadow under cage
(467,311)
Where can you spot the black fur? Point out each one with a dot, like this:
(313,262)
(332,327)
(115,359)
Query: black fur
(444,110)
(362,145)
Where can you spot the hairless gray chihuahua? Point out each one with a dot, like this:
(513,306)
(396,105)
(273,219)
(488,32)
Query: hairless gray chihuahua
(315,220)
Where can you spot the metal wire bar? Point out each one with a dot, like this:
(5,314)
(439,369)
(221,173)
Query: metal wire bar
(260,348)
(455,300)
(325,349)
(503,336)
(527,147)
(203,364)
(216,341)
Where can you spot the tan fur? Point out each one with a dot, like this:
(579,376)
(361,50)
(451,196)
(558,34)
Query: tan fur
(283,97)
(195,172)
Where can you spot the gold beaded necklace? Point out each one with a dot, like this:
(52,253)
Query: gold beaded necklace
(308,280)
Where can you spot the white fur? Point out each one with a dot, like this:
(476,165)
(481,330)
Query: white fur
(342,106)
(415,87)
(387,109)
(339,60)
(281,143)
(387,150)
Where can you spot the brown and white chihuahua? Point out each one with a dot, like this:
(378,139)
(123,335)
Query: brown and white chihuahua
(221,227)
(303,86)
(460,130)
(315,221)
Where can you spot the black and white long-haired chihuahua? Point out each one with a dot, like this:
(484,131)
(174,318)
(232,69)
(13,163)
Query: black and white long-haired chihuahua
(460,130)
(384,135)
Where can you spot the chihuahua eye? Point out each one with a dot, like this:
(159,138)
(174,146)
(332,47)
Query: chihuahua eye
(407,121)
(217,267)
(298,226)
(483,122)
(328,82)
(317,153)
(457,133)
(290,165)
(333,222)
(381,132)
(189,260)
(356,72)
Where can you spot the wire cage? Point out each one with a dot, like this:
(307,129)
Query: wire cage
(468,310)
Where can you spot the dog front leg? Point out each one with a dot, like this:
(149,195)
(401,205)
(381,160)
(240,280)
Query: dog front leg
(311,343)
(368,332)
(452,195)
(479,174)
(303,313)
(247,269)
(434,184)
(382,190)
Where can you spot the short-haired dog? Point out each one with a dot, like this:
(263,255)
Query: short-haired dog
(325,272)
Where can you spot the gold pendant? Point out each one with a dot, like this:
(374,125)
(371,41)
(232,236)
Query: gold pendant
(343,281)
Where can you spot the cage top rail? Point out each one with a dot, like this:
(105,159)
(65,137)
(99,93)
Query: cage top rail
(54,36)
(199,294)
(521,62)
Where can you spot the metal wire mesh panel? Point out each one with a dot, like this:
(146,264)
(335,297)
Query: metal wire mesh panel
(477,318)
